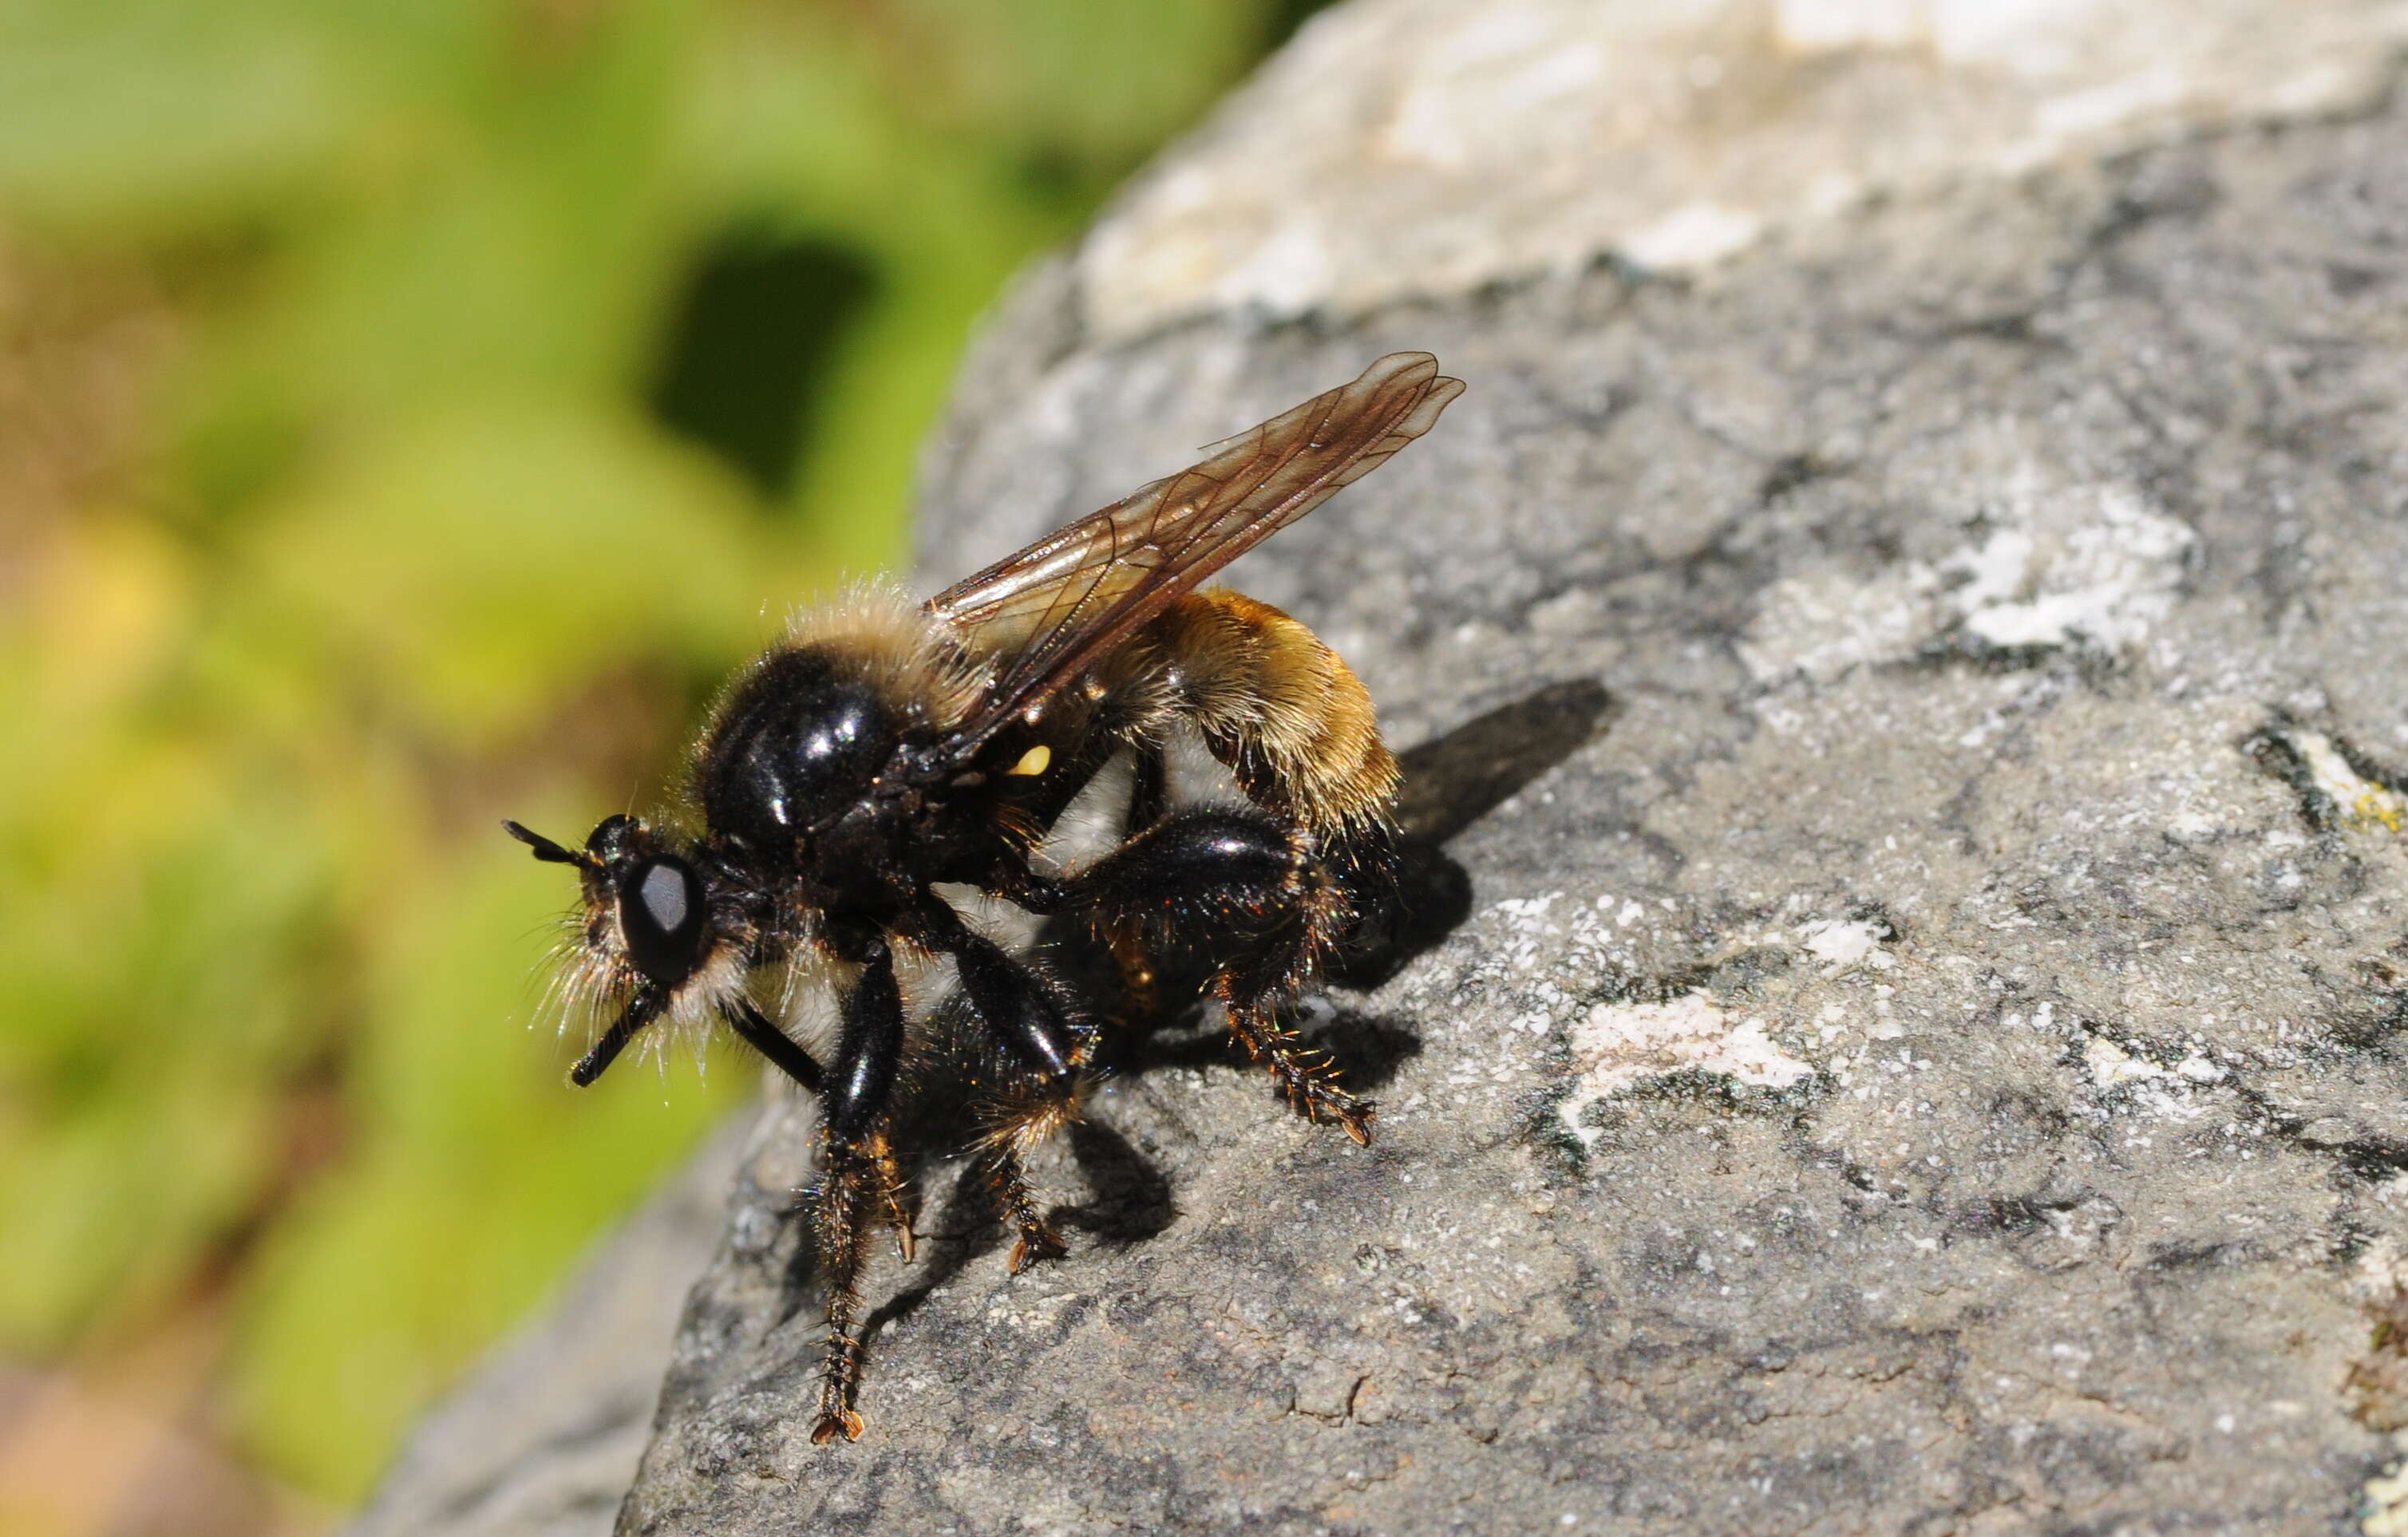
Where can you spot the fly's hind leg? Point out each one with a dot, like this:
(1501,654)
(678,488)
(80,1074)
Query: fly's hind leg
(1308,1076)
(1258,892)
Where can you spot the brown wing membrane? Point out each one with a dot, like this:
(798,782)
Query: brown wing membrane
(1052,611)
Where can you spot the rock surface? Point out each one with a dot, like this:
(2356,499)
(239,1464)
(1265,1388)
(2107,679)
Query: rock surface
(542,1440)
(1921,1052)
(1411,149)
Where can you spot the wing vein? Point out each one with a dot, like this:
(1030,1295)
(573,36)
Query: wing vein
(1045,616)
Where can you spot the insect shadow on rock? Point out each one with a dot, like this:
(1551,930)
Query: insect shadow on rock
(1450,781)
(1130,1202)
(884,749)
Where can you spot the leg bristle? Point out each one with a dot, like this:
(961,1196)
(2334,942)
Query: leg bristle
(841,1209)
(1307,1077)
(1016,1200)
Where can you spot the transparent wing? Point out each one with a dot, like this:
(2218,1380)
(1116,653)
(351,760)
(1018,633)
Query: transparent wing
(1049,613)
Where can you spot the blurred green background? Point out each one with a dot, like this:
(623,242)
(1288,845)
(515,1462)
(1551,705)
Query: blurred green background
(409,410)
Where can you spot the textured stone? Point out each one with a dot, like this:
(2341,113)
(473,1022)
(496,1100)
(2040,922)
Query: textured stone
(1419,149)
(542,1440)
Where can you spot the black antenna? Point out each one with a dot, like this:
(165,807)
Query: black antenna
(545,849)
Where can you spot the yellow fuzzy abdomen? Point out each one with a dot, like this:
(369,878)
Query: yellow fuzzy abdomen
(1279,708)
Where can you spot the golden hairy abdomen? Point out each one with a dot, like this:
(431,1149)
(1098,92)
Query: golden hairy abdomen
(1277,705)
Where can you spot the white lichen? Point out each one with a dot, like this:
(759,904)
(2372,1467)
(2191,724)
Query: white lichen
(1840,945)
(1618,1046)
(2092,565)
(2112,1066)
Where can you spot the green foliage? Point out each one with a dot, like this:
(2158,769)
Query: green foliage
(476,381)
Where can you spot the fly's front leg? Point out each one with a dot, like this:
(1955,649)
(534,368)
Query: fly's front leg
(855,1102)
(1259,891)
(754,1027)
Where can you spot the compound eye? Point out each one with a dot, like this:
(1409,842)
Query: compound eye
(660,912)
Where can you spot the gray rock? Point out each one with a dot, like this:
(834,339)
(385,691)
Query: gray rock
(1932,1063)
(542,1440)
(1419,149)
(1920,1051)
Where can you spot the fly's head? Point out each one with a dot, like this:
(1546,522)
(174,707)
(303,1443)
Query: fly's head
(657,941)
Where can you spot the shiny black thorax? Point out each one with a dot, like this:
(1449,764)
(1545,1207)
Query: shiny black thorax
(817,781)
(798,744)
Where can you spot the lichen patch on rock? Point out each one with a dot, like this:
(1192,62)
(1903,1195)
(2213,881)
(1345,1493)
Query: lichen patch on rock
(2093,567)
(1615,1047)
(2090,564)
(2356,800)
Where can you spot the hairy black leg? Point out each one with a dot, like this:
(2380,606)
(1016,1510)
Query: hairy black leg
(899,1201)
(841,1203)
(1306,1076)
(897,1198)
(1020,1124)
(1273,909)
(1044,1046)
(1232,869)
(642,1010)
(868,1049)
(1026,1016)
(853,1103)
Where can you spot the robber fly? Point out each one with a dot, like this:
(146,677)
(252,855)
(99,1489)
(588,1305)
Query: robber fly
(883,748)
